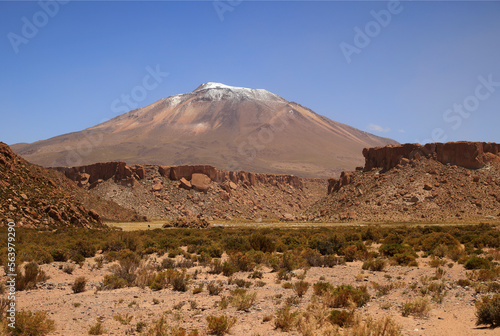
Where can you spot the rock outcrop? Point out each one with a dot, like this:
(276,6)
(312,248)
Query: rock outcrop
(167,192)
(89,175)
(442,182)
(471,155)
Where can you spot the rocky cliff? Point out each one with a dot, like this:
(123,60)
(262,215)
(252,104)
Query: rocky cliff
(171,191)
(465,154)
(457,181)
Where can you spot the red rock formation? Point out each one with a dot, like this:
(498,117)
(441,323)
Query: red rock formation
(335,184)
(250,179)
(103,171)
(465,154)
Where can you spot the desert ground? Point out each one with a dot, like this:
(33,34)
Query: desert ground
(446,291)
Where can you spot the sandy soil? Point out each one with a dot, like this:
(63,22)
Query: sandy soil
(75,313)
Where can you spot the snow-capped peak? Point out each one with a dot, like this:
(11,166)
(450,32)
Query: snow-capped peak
(213,85)
(234,92)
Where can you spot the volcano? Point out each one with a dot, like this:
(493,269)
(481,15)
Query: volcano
(229,127)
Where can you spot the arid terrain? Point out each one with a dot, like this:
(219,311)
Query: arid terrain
(168,282)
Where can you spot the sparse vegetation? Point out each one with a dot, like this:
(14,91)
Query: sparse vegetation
(287,260)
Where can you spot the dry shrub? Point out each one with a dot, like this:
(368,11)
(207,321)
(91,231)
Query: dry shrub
(125,271)
(488,311)
(178,280)
(385,326)
(214,288)
(314,321)
(145,276)
(31,276)
(242,261)
(301,287)
(285,319)
(33,324)
(242,300)
(68,268)
(215,267)
(79,285)
(342,318)
(220,325)
(420,307)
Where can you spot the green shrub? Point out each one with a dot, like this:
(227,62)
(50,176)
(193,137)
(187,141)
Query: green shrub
(342,318)
(59,254)
(228,269)
(488,311)
(405,259)
(477,263)
(321,287)
(429,242)
(342,295)
(86,249)
(261,242)
(376,265)
(391,250)
(328,244)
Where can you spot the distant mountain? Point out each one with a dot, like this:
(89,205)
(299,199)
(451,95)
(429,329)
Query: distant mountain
(228,127)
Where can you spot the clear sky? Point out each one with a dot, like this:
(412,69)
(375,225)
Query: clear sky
(413,71)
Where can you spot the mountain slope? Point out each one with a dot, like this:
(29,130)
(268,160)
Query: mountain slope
(37,197)
(228,127)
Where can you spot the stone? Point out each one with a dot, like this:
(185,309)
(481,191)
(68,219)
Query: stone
(427,186)
(200,182)
(224,195)
(185,183)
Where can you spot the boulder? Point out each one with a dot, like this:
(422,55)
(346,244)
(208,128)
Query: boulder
(185,184)
(200,182)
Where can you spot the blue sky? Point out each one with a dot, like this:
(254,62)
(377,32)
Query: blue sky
(425,71)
